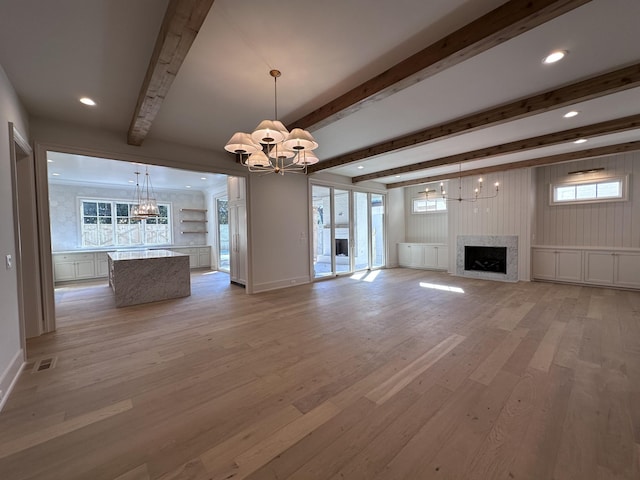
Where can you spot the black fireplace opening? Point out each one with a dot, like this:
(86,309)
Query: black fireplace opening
(342,247)
(486,259)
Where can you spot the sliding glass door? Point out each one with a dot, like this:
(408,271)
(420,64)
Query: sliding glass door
(377,205)
(348,231)
(360,248)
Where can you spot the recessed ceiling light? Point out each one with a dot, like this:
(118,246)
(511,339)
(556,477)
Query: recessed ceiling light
(397,176)
(360,167)
(130,181)
(88,101)
(570,114)
(187,186)
(555,56)
(580,140)
(55,174)
(203,178)
(49,160)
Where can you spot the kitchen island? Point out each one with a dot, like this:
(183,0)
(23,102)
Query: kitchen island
(148,276)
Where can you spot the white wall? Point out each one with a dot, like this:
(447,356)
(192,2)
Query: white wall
(395,224)
(64,211)
(614,224)
(510,213)
(428,227)
(279,230)
(11,355)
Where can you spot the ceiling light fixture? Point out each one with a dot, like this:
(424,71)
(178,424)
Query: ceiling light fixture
(589,170)
(360,167)
(476,192)
(271,148)
(580,140)
(88,101)
(571,114)
(144,198)
(555,56)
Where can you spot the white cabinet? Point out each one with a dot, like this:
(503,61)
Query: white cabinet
(237,213)
(199,257)
(557,264)
(204,257)
(627,272)
(617,268)
(238,243)
(423,255)
(236,189)
(73,266)
(102,265)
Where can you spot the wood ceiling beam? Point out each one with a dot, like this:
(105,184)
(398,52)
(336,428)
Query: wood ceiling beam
(179,28)
(504,23)
(604,128)
(594,87)
(534,162)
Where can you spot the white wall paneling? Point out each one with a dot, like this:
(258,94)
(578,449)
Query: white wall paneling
(510,213)
(429,227)
(611,224)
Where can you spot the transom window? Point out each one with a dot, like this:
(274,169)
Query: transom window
(428,205)
(589,191)
(106,223)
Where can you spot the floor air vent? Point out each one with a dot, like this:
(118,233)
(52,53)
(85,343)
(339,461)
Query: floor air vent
(44,364)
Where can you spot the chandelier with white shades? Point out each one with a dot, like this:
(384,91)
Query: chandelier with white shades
(271,148)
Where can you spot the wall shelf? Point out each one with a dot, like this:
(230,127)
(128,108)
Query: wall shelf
(194,217)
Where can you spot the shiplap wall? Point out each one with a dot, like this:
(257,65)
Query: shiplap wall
(612,224)
(424,227)
(510,213)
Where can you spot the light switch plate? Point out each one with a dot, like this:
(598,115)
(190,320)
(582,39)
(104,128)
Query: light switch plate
(9,262)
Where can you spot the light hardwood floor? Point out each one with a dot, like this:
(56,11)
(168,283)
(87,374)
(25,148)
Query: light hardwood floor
(394,377)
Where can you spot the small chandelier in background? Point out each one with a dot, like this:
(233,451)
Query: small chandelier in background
(477,192)
(144,199)
(271,148)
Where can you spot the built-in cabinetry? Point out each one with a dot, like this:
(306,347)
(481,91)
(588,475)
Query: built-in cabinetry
(69,266)
(74,266)
(237,212)
(199,257)
(595,266)
(434,256)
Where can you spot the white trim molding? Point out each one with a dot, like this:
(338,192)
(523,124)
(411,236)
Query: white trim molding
(10,376)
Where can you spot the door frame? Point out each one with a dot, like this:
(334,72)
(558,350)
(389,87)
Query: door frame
(20,151)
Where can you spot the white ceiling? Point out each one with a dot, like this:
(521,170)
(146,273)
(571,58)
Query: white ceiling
(55,52)
(67,168)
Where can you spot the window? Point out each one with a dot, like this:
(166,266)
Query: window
(428,205)
(589,191)
(107,223)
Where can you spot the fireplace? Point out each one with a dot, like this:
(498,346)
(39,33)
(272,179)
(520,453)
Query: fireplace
(485,259)
(498,257)
(342,247)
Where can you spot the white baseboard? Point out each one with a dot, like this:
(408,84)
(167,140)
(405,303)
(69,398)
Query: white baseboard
(10,377)
(291,282)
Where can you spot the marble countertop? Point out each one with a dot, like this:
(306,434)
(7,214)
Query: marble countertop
(141,254)
(124,249)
